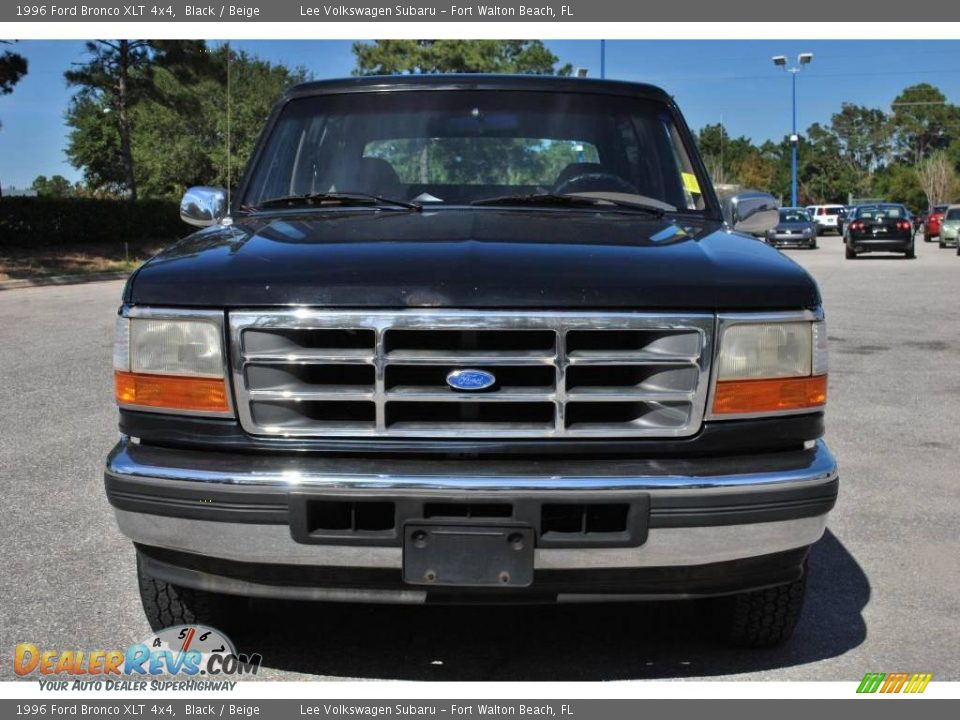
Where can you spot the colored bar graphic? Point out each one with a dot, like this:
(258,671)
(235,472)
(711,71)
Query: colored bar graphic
(894,682)
(871,682)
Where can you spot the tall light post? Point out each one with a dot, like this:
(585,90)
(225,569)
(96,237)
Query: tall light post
(781,61)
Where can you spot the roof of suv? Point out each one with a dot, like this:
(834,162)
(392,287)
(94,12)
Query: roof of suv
(450,81)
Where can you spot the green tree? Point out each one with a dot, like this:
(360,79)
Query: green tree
(177,120)
(757,171)
(388,57)
(923,121)
(863,134)
(56,187)
(94,144)
(181,136)
(899,183)
(117,76)
(13,67)
(723,155)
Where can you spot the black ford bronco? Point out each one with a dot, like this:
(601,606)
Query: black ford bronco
(473,339)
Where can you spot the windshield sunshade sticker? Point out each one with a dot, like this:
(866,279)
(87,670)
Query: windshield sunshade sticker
(690,183)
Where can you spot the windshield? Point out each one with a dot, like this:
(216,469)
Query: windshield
(794,216)
(457,147)
(953,214)
(878,213)
(939,208)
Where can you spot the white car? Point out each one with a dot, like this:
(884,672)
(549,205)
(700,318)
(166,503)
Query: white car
(826,217)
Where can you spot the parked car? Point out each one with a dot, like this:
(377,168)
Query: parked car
(827,217)
(883,227)
(795,229)
(949,227)
(931,226)
(465,338)
(842,217)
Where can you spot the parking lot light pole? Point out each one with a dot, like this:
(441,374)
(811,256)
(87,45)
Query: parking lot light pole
(781,61)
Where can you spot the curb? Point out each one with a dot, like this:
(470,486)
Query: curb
(61,280)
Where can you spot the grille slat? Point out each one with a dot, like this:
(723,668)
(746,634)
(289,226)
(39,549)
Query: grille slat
(476,357)
(320,373)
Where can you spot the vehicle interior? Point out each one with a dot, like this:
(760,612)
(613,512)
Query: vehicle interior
(459,147)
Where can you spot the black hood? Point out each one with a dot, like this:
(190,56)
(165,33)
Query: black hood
(473,258)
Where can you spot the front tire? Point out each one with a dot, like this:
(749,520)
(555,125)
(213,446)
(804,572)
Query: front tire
(941,243)
(762,618)
(166,604)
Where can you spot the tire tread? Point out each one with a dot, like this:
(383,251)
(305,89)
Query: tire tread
(766,618)
(166,604)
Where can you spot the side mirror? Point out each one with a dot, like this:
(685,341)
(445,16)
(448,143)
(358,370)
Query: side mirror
(751,212)
(203,206)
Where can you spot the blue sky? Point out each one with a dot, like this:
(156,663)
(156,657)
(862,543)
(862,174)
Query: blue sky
(734,80)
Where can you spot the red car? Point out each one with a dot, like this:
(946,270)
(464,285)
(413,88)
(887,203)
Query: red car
(931,226)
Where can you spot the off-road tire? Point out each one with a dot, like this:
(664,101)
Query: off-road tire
(166,604)
(762,618)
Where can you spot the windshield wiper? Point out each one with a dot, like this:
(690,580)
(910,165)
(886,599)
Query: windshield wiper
(346,199)
(569,200)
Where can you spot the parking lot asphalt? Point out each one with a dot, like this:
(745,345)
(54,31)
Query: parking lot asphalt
(884,590)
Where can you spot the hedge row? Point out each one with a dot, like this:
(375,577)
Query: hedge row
(48,222)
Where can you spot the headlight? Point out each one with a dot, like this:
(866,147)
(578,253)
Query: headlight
(771,367)
(171,364)
(808,232)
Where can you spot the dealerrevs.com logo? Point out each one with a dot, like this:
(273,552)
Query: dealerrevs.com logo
(182,651)
(888,683)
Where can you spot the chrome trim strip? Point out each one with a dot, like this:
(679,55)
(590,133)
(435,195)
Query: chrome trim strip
(820,466)
(233,586)
(726,320)
(272,544)
(435,319)
(216,317)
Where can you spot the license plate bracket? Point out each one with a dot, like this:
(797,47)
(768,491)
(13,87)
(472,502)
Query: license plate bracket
(468,555)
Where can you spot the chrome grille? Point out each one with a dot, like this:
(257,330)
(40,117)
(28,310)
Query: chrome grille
(321,373)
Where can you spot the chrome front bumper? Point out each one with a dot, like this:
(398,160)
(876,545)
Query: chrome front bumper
(233,507)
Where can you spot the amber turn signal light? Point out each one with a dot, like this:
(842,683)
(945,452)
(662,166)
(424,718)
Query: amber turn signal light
(772,395)
(171,392)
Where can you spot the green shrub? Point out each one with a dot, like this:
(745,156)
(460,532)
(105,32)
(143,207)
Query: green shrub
(34,222)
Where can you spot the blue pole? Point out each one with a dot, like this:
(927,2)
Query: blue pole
(793,146)
(603,59)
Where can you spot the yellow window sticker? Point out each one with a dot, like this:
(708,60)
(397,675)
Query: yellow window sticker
(690,183)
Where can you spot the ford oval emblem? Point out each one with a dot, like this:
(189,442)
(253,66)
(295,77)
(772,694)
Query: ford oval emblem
(470,380)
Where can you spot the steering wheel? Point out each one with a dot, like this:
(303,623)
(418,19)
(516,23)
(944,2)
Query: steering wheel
(595,182)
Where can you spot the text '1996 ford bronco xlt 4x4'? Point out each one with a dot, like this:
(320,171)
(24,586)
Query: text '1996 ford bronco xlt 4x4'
(473,339)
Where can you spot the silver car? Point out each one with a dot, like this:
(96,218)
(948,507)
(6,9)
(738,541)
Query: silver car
(950,228)
(795,229)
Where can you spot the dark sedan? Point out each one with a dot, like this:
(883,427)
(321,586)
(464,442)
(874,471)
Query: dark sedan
(879,228)
(795,229)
